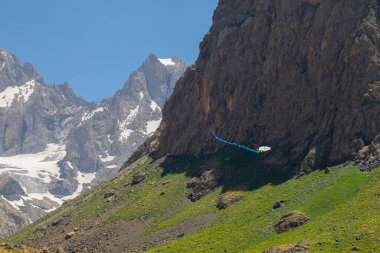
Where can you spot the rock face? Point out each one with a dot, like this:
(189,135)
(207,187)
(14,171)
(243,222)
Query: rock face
(297,75)
(54,144)
(368,157)
(11,219)
(12,73)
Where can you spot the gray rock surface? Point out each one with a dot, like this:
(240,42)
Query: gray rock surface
(296,75)
(11,219)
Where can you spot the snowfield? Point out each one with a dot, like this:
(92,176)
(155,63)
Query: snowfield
(167,62)
(34,173)
(23,92)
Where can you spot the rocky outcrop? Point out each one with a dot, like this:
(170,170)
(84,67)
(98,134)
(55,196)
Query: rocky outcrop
(290,221)
(296,75)
(368,157)
(288,249)
(138,178)
(205,184)
(227,199)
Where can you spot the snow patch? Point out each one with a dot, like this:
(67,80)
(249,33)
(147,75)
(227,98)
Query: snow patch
(42,166)
(70,165)
(114,166)
(34,172)
(24,92)
(4,53)
(107,158)
(132,114)
(167,62)
(141,94)
(42,196)
(2,66)
(154,106)
(125,133)
(89,115)
(151,126)
(82,178)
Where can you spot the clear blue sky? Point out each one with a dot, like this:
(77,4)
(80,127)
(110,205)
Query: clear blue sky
(95,44)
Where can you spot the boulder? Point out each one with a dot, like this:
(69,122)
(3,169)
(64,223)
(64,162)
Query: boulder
(227,199)
(278,204)
(290,221)
(45,250)
(205,184)
(111,193)
(70,235)
(138,178)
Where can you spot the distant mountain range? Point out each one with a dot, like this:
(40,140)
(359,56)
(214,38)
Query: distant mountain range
(54,144)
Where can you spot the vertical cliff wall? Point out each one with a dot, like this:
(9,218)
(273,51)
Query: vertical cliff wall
(300,75)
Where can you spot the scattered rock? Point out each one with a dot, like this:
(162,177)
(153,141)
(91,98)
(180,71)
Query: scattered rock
(354,249)
(162,193)
(111,193)
(290,221)
(70,235)
(338,240)
(227,199)
(45,250)
(192,183)
(368,157)
(60,250)
(76,229)
(166,182)
(301,174)
(8,246)
(288,249)
(278,204)
(203,185)
(138,178)
(56,222)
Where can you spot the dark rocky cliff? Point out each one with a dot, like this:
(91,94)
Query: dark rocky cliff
(301,75)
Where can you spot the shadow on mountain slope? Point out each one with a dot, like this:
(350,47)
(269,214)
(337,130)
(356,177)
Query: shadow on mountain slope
(237,169)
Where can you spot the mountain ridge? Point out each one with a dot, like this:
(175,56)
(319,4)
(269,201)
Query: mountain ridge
(80,143)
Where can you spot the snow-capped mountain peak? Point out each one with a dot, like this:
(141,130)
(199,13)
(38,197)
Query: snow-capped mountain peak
(55,144)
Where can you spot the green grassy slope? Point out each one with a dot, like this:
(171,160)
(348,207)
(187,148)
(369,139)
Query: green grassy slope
(343,206)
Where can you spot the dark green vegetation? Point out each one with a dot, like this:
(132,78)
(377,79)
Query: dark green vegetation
(343,205)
